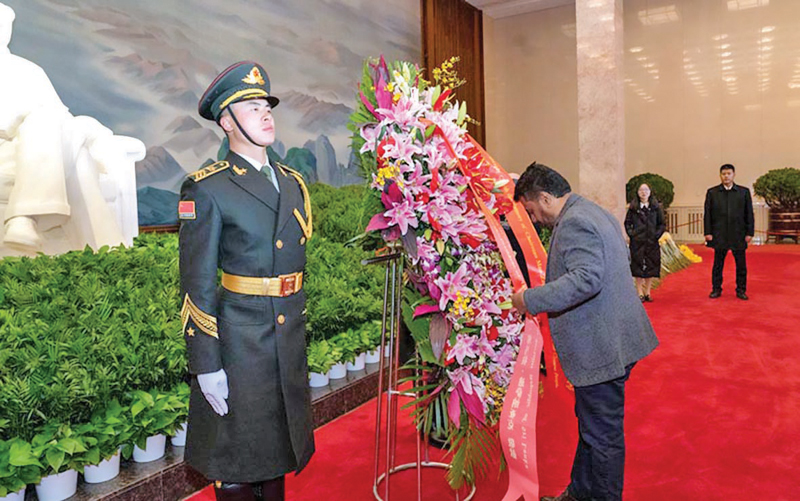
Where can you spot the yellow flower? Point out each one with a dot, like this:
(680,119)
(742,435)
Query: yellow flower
(462,308)
(446,76)
(389,171)
(690,255)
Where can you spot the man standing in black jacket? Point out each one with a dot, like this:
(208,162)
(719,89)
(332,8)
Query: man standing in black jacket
(728,225)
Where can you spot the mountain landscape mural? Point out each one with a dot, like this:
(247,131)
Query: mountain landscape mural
(140,68)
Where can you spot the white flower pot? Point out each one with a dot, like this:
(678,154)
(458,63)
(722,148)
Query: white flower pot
(358,363)
(57,487)
(154,449)
(14,496)
(102,472)
(317,380)
(387,350)
(374,356)
(179,440)
(338,371)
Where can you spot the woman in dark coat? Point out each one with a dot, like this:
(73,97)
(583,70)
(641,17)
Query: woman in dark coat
(645,224)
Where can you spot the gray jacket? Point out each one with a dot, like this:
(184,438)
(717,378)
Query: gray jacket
(597,321)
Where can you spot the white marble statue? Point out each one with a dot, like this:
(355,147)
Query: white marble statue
(65,181)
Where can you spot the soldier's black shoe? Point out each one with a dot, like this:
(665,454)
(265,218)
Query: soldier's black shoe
(225,491)
(648,299)
(742,295)
(273,490)
(715,294)
(564,496)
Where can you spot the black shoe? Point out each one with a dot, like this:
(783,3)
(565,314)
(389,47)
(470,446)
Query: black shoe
(742,295)
(715,294)
(641,298)
(648,299)
(564,496)
(234,492)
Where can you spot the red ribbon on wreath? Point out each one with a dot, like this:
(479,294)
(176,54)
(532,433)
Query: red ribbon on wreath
(518,417)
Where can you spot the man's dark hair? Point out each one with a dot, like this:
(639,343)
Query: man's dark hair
(539,178)
(727,167)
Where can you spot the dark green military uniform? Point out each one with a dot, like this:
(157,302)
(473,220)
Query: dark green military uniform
(233,219)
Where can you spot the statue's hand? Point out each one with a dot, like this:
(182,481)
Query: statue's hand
(214,386)
(110,151)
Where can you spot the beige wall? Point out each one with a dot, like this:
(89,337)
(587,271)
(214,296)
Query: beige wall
(709,85)
(532,90)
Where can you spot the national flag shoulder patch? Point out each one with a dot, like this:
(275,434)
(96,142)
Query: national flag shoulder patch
(186,210)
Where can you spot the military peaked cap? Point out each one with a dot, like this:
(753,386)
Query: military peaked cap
(239,82)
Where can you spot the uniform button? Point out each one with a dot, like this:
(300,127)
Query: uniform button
(279,244)
(302,240)
(281,319)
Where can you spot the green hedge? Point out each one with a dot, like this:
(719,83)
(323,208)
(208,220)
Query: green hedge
(339,213)
(780,188)
(341,292)
(80,330)
(661,187)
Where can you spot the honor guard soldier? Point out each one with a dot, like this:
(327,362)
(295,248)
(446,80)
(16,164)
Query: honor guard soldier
(250,418)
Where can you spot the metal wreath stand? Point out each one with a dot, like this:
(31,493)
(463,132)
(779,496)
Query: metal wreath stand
(392,300)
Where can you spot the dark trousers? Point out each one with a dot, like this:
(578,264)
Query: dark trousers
(719,264)
(599,465)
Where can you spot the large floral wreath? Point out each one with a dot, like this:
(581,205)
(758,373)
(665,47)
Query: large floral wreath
(436,194)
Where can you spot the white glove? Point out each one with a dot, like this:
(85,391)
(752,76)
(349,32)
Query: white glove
(214,386)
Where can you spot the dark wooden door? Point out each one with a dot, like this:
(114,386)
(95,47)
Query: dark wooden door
(455,28)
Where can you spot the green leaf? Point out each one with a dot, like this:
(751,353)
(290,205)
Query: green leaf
(92,456)
(462,113)
(20,454)
(420,329)
(136,408)
(55,459)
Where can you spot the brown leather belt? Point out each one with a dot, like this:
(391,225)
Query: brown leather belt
(280,286)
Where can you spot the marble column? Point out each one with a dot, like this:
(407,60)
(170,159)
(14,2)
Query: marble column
(601,109)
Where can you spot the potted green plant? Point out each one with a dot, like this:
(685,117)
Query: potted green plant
(111,429)
(339,367)
(62,450)
(780,189)
(661,188)
(364,340)
(320,362)
(373,330)
(153,415)
(350,342)
(19,466)
(182,392)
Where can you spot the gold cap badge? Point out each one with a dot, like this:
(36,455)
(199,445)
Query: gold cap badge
(254,77)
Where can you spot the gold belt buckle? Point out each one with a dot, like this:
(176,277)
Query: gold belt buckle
(288,284)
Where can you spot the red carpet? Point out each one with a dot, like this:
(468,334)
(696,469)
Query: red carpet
(713,414)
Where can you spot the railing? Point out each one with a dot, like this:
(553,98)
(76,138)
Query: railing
(685,223)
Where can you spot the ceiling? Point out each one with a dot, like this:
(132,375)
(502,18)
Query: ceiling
(505,8)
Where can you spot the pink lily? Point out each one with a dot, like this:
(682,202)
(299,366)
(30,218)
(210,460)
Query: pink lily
(402,215)
(453,284)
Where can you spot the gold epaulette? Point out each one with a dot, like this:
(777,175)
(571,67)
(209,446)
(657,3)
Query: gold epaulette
(209,170)
(306,224)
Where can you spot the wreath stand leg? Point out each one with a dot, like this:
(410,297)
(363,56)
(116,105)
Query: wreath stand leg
(390,336)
